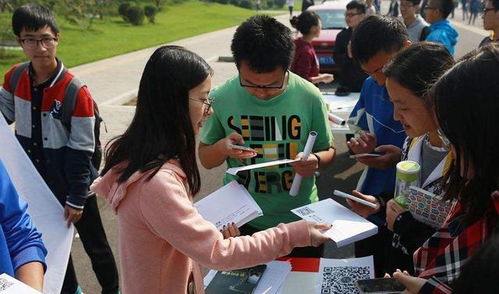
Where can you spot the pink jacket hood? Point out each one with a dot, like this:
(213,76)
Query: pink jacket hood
(107,186)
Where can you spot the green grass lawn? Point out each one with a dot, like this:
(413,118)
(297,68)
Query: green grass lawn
(113,36)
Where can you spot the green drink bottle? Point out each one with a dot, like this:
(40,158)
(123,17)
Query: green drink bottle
(407,175)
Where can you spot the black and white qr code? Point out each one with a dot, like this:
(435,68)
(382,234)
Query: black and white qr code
(305,211)
(4,284)
(341,279)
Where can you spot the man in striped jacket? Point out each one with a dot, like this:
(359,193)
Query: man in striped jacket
(61,155)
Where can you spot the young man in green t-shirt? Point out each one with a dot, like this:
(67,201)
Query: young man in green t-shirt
(272,110)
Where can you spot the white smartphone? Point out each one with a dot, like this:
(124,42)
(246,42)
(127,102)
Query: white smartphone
(356,199)
(244,148)
(381,285)
(365,155)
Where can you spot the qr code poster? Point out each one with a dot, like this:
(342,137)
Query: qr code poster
(338,276)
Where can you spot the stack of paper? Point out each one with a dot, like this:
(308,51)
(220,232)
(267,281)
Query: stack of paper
(230,204)
(271,281)
(347,226)
(9,285)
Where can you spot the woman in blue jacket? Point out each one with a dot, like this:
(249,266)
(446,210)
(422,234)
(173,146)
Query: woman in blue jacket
(22,253)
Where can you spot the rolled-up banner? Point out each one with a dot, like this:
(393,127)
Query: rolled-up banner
(295,187)
(336,119)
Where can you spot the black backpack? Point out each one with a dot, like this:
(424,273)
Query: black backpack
(67,108)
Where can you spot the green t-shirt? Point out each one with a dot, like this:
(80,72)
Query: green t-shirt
(278,129)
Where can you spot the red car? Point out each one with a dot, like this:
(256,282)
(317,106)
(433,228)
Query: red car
(332,14)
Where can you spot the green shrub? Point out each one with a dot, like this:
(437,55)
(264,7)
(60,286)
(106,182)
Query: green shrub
(270,3)
(223,1)
(150,12)
(279,3)
(136,15)
(234,2)
(246,4)
(123,10)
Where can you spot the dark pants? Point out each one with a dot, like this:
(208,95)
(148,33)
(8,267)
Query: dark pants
(387,259)
(94,241)
(310,251)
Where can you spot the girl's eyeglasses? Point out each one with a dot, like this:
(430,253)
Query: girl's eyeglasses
(206,103)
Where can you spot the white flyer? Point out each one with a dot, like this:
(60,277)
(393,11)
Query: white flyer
(235,170)
(347,226)
(230,204)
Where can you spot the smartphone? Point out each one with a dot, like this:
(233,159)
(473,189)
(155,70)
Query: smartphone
(365,155)
(244,148)
(380,285)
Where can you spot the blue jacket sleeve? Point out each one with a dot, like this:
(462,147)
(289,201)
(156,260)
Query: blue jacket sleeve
(357,120)
(23,240)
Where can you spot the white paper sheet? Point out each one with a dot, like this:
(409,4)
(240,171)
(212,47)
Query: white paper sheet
(271,281)
(235,170)
(45,210)
(341,103)
(230,204)
(347,226)
(339,275)
(9,285)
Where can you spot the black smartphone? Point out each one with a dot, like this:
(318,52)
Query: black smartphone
(381,285)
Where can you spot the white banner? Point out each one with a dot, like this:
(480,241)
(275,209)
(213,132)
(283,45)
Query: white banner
(45,210)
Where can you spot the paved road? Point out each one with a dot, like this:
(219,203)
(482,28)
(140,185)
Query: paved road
(115,80)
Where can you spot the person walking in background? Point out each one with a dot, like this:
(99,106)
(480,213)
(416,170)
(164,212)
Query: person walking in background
(464,8)
(474,10)
(151,176)
(441,30)
(62,156)
(22,253)
(257,5)
(393,10)
(291,4)
(306,4)
(417,27)
(377,6)
(491,22)
(284,108)
(305,62)
(351,76)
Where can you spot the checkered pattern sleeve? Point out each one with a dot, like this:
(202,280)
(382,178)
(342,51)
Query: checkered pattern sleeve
(443,254)
(435,286)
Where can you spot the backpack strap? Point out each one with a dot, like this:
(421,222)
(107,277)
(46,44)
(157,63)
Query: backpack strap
(16,75)
(424,33)
(69,102)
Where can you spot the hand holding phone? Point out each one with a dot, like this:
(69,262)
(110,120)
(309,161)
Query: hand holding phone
(356,199)
(243,148)
(364,155)
(381,285)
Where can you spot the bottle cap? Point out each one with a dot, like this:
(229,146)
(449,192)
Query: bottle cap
(408,171)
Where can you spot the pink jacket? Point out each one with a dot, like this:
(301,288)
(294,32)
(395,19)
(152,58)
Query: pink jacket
(163,238)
